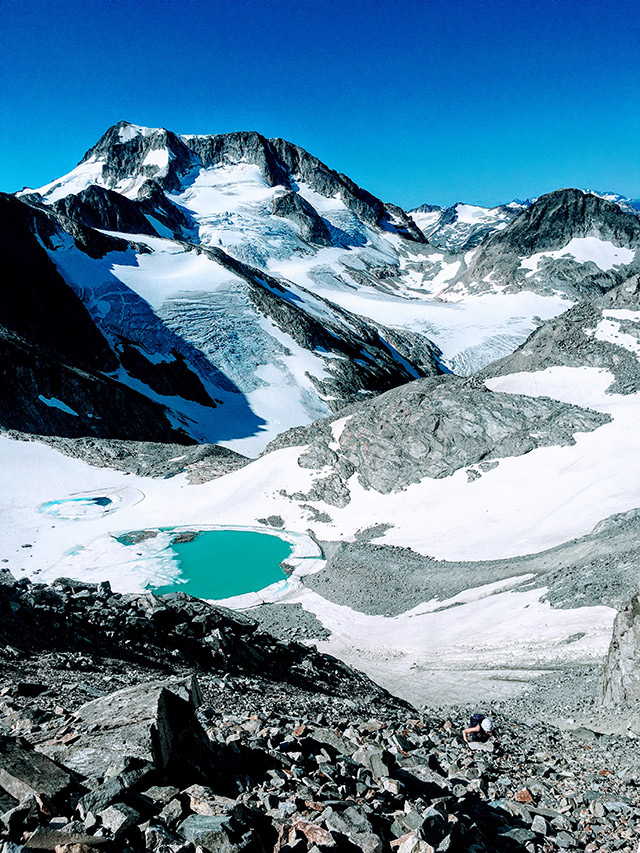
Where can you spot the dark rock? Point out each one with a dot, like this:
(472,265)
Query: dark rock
(152,722)
(312,227)
(25,772)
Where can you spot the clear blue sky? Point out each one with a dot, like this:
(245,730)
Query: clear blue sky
(438,101)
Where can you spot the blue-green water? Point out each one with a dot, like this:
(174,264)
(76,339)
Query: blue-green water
(222,563)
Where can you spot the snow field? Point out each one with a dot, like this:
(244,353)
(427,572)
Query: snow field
(582,250)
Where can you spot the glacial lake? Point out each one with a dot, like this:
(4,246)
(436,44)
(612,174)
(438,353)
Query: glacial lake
(219,564)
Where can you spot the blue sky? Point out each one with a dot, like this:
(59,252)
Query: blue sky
(436,101)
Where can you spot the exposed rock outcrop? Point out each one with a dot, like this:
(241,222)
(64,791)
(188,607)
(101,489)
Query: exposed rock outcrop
(571,340)
(56,365)
(620,684)
(549,224)
(312,226)
(431,428)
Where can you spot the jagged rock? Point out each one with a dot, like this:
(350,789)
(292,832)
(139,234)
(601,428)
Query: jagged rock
(99,207)
(205,802)
(539,825)
(153,722)
(373,759)
(23,815)
(295,207)
(45,838)
(431,428)
(411,783)
(99,798)
(118,819)
(547,225)
(231,833)
(620,683)
(25,772)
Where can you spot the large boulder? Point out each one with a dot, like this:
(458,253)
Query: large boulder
(25,772)
(620,684)
(154,722)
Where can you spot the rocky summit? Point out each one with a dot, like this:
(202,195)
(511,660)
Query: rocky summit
(131,723)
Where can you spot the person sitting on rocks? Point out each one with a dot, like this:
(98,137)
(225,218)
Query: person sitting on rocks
(479,730)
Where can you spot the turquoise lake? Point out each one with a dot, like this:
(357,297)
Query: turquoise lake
(222,563)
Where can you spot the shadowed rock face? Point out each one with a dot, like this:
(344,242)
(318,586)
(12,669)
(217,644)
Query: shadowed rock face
(98,207)
(294,207)
(126,156)
(51,348)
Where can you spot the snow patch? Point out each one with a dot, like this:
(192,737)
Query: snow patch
(130,131)
(583,250)
(609,331)
(54,403)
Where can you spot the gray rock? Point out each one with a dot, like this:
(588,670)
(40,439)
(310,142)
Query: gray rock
(339,743)
(565,840)
(431,428)
(119,818)
(295,207)
(374,760)
(539,825)
(101,797)
(620,684)
(154,722)
(204,801)
(212,832)
(25,772)
(547,225)
(347,821)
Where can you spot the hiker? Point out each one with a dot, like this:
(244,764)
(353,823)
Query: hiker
(479,730)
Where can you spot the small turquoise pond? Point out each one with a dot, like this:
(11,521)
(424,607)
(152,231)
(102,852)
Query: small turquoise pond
(221,563)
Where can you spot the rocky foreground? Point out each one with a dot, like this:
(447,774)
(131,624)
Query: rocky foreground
(132,723)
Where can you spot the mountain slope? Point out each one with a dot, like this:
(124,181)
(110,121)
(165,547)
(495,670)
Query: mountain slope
(274,207)
(568,241)
(57,368)
(462,226)
(228,334)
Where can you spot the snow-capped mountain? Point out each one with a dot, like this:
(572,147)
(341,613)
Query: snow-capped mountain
(175,283)
(629,205)
(463,226)
(290,291)
(567,241)
(62,375)
(234,289)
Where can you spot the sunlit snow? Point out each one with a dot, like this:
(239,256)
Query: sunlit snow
(582,250)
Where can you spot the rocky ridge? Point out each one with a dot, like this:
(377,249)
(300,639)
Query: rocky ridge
(69,360)
(462,227)
(302,755)
(146,355)
(572,340)
(548,225)
(429,428)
